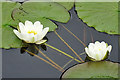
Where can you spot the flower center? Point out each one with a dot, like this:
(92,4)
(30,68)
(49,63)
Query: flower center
(32,32)
(99,49)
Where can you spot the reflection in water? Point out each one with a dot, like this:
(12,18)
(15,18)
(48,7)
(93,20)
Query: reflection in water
(34,49)
(45,60)
(31,47)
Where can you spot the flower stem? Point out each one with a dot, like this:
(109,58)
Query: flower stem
(91,36)
(43,60)
(71,60)
(73,35)
(49,59)
(84,35)
(69,46)
(62,52)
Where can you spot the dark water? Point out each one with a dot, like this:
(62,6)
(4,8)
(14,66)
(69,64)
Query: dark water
(17,65)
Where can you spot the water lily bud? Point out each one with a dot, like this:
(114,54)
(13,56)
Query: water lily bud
(98,51)
(31,33)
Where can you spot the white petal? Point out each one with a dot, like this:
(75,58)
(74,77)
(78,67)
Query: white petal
(29,25)
(88,52)
(30,38)
(98,50)
(97,56)
(26,37)
(17,33)
(38,26)
(104,53)
(92,53)
(109,48)
(101,55)
(91,46)
(103,50)
(22,28)
(103,44)
(44,32)
(41,41)
(98,53)
(97,43)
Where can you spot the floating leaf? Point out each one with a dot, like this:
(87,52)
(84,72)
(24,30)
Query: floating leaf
(13,13)
(103,16)
(103,69)
(67,5)
(0,24)
(42,11)
(8,38)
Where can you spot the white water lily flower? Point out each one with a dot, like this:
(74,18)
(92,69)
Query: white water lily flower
(98,51)
(31,33)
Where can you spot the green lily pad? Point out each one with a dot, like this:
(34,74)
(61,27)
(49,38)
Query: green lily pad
(13,13)
(8,37)
(42,11)
(10,41)
(102,69)
(0,24)
(103,16)
(67,5)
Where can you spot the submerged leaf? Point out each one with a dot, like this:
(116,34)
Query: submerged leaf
(103,16)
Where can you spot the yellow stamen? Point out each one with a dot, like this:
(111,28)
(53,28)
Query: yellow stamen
(32,32)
